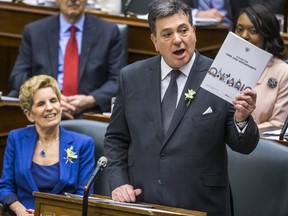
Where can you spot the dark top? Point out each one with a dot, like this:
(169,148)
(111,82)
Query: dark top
(46,177)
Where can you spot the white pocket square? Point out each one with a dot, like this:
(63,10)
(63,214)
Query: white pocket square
(209,110)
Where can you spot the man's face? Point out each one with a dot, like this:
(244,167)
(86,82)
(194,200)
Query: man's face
(72,10)
(175,39)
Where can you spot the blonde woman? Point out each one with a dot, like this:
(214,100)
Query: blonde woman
(44,157)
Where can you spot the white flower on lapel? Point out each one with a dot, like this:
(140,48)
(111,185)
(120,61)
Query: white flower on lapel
(71,155)
(189,96)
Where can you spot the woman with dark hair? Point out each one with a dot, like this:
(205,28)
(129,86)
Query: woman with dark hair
(258,25)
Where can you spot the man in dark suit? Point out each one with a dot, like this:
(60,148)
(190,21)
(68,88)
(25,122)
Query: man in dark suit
(100,57)
(185,165)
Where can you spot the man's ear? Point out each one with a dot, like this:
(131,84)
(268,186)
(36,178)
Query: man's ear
(154,40)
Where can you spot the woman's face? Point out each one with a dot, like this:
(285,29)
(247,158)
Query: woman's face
(246,30)
(46,110)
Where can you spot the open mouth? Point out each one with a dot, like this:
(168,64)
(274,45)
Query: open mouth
(179,52)
(50,116)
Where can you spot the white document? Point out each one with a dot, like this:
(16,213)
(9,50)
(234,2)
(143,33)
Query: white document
(237,66)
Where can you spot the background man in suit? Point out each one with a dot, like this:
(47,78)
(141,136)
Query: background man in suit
(100,57)
(185,165)
(217,9)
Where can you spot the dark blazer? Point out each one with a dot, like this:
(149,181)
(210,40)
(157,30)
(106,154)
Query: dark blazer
(100,61)
(17,179)
(188,167)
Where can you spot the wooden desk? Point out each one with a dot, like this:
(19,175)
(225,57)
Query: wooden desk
(285,39)
(13,18)
(57,205)
(11,117)
(96,117)
(282,142)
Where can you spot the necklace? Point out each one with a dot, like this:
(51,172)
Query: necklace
(43,147)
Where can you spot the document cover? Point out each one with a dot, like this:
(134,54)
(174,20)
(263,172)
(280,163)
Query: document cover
(237,66)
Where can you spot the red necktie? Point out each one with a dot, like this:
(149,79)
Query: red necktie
(71,64)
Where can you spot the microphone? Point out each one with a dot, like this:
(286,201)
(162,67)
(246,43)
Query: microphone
(284,129)
(127,6)
(101,164)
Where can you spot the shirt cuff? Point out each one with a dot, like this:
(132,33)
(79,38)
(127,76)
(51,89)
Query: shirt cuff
(241,128)
(9,199)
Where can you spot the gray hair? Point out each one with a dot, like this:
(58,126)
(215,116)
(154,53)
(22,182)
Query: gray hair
(164,8)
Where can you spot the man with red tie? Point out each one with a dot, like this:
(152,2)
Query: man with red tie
(83,52)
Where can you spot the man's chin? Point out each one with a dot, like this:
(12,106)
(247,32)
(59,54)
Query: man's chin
(74,14)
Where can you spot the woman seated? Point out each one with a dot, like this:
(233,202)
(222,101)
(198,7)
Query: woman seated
(44,157)
(260,27)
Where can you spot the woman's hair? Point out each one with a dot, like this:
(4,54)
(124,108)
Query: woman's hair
(160,9)
(267,25)
(28,89)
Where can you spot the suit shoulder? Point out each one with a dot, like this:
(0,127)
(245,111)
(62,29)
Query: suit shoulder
(43,23)
(142,65)
(22,131)
(17,131)
(99,22)
(205,59)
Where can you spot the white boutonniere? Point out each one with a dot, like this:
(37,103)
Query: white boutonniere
(189,96)
(71,155)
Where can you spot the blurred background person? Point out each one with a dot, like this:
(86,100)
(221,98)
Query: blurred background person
(44,157)
(275,6)
(217,9)
(109,6)
(258,25)
(88,74)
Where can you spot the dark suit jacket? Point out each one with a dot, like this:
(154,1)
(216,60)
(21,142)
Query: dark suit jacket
(188,167)
(100,61)
(17,179)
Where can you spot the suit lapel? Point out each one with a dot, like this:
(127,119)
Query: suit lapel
(154,94)
(65,168)
(27,148)
(53,46)
(194,80)
(87,43)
